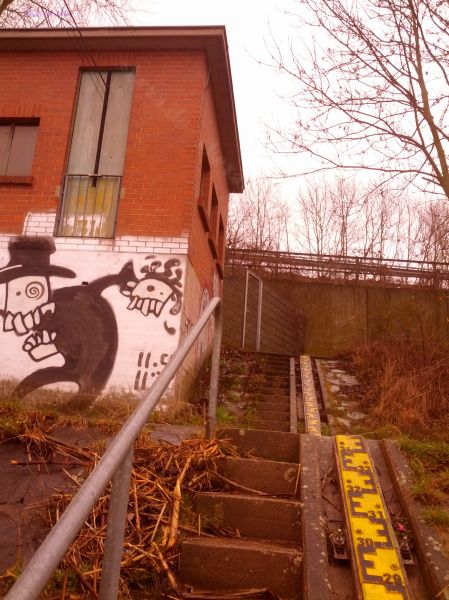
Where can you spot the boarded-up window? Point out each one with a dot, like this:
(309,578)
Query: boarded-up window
(17,145)
(97,154)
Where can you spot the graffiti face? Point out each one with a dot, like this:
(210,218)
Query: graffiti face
(26,301)
(161,282)
(148,296)
(25,294)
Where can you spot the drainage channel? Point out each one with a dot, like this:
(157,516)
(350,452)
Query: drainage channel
(359,524)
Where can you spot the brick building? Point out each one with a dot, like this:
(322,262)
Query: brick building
(118,151)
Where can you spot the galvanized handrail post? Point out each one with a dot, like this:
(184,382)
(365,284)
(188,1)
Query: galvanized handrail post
(259,314)
(115,534)
(245,308)
(211,420)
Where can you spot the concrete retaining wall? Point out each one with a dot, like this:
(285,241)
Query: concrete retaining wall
(337,317)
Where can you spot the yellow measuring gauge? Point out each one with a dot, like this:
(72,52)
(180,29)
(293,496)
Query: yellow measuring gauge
(379,573)
(311,411)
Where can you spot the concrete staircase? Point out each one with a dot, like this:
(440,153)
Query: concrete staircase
(259,503)
(273,396)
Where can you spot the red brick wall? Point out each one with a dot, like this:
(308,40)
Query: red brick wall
(162,142)
(200,253)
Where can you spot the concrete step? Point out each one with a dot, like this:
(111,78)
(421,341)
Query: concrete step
(268,425)
(279,399)
(277,367)
(281,374)
(275,406)
(275,417)
(254,517)
(281,378)
(268,407)
(267,386)
(233,564)
(275,445)
(270,477)
(258,396)
(273,391)
(276,360)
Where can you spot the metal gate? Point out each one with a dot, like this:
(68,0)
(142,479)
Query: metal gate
(252,312)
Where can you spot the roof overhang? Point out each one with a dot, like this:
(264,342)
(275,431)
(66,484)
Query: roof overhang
(212,40)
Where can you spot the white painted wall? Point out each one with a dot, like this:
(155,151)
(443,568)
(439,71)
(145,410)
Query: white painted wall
(146,339)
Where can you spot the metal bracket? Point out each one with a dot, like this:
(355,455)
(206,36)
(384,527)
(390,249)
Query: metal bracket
(338,540)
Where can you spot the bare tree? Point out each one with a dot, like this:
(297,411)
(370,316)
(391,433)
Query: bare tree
(62,13)
(315,232)
(343,219)
(372,89)
(379,226)
(432,239)
(258,219)
(345,205)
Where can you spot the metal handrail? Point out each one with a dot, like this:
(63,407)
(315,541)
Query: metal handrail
(116,464)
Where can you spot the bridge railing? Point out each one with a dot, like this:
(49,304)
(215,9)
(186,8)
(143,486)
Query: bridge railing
(346,268)
(115,465)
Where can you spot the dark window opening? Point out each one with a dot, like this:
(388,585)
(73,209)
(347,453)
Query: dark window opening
(92,183)
(213,224)
(221,248)
(204,192)
(17,145)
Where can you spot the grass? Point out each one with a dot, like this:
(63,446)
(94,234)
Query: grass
(431,453)
(429,461)
(435,515)
(13,419)
(326,429)
(224,416)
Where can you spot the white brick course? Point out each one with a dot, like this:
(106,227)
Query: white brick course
(43,224)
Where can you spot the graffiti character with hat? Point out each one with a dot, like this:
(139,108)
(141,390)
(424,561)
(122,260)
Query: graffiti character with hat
(75,322)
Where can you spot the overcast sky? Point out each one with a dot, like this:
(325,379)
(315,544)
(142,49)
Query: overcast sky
(256,87)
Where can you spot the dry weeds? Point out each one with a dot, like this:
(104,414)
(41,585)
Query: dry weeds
(405,386)
(165,479)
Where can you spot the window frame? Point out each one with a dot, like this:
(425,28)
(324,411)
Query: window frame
(204,191)
(95,177)
(15,122)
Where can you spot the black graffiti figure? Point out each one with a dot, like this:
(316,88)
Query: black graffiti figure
(75,322)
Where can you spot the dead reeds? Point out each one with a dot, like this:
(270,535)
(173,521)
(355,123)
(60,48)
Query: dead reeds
(165,479)
(403,386)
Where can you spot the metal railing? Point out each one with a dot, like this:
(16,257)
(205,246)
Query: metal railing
(334,267)
(89,206)
(115,465)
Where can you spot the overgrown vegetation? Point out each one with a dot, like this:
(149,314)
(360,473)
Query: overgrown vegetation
(405,385)
(241,375)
